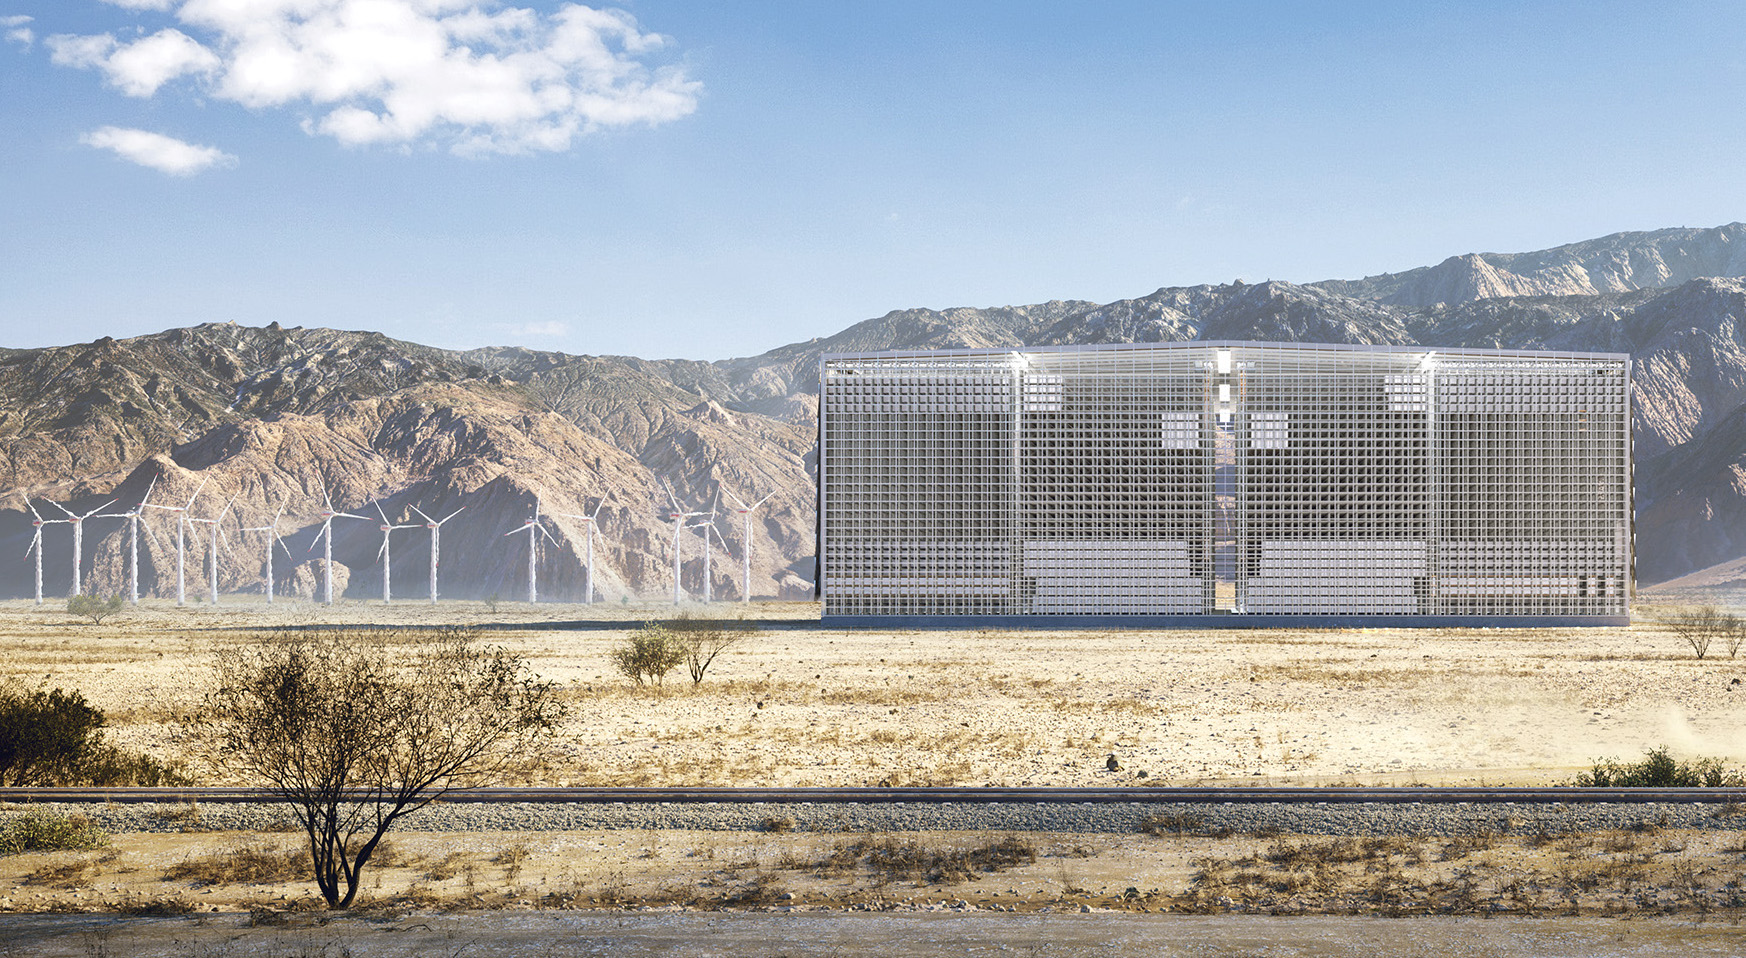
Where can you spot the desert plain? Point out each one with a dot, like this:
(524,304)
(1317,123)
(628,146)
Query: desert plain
(791,703)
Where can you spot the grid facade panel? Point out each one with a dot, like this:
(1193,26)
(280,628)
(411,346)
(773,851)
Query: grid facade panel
(1209,479)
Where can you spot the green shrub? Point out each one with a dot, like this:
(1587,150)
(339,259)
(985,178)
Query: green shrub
(94,608)
(41,831)
(55,737)
(648,654)
(44,735)
(1659,769)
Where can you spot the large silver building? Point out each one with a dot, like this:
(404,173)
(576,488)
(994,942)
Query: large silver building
(1225,483)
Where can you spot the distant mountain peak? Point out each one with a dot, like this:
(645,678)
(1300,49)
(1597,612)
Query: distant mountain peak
(1609,265)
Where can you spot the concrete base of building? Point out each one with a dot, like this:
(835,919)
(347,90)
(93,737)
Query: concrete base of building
(1226,621)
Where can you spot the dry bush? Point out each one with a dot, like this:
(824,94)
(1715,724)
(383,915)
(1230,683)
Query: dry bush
(1700,626)
(243,864)
(890,859)
(67,874)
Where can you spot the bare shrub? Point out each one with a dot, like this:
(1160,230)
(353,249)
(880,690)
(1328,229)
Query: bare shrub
(354,735)
(701,640)
(1700,626)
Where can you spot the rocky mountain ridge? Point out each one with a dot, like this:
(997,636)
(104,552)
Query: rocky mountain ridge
(275,416)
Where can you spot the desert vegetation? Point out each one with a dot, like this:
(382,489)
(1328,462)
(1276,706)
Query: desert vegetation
(355,731)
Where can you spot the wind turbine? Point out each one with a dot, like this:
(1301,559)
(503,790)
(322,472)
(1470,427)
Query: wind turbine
(273,537)
(708,526)
(212,551)
(678,515)
(38,522)
(181,532)
(327,515)
(78,522)
(436,537)
(746,545)
(135,519)
(531,526)
(387,530)
(589,520)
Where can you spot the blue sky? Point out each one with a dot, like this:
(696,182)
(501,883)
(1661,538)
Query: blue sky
(704,179)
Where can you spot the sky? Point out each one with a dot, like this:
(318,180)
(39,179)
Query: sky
(699,179)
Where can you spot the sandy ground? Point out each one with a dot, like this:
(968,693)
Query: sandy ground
(793,704)
(1604,873)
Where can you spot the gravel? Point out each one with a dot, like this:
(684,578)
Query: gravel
(1291,818)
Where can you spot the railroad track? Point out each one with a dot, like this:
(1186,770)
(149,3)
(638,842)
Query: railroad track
(951,796)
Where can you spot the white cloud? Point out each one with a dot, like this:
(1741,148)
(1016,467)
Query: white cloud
(138,68)
(549,328)
(17,20)
(142,4)
(166,154)
(22,35)
(471,74)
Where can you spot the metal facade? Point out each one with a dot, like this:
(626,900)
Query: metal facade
(1225,483)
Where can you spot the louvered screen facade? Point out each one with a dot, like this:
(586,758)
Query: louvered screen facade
(1225,480)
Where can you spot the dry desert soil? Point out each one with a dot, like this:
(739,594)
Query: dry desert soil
(794,704)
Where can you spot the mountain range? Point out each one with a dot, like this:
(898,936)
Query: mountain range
(267,418)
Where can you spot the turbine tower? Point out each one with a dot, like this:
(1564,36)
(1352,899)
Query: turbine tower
(745,512)
(327,515)
(135,519)
(274,536)
(387,530)
(531,526)
(588,562)
(436,537)
(678,515)
(181,512)
(708,527)
(37,521)
(212,550)
(78,522)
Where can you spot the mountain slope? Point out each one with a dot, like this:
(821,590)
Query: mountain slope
(274,416)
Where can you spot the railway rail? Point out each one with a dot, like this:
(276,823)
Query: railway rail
(950,796)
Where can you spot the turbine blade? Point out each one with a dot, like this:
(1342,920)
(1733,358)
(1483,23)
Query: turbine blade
(451,515)
(763,500)
(35,543)
(64,509)
(196,494)
(596,513)
(421,514)
(384,515)
(32,509)
(737,500)
(98,509)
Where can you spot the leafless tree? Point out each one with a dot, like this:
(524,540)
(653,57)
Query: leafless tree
(1701,625)
(701,640)
(356,730)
